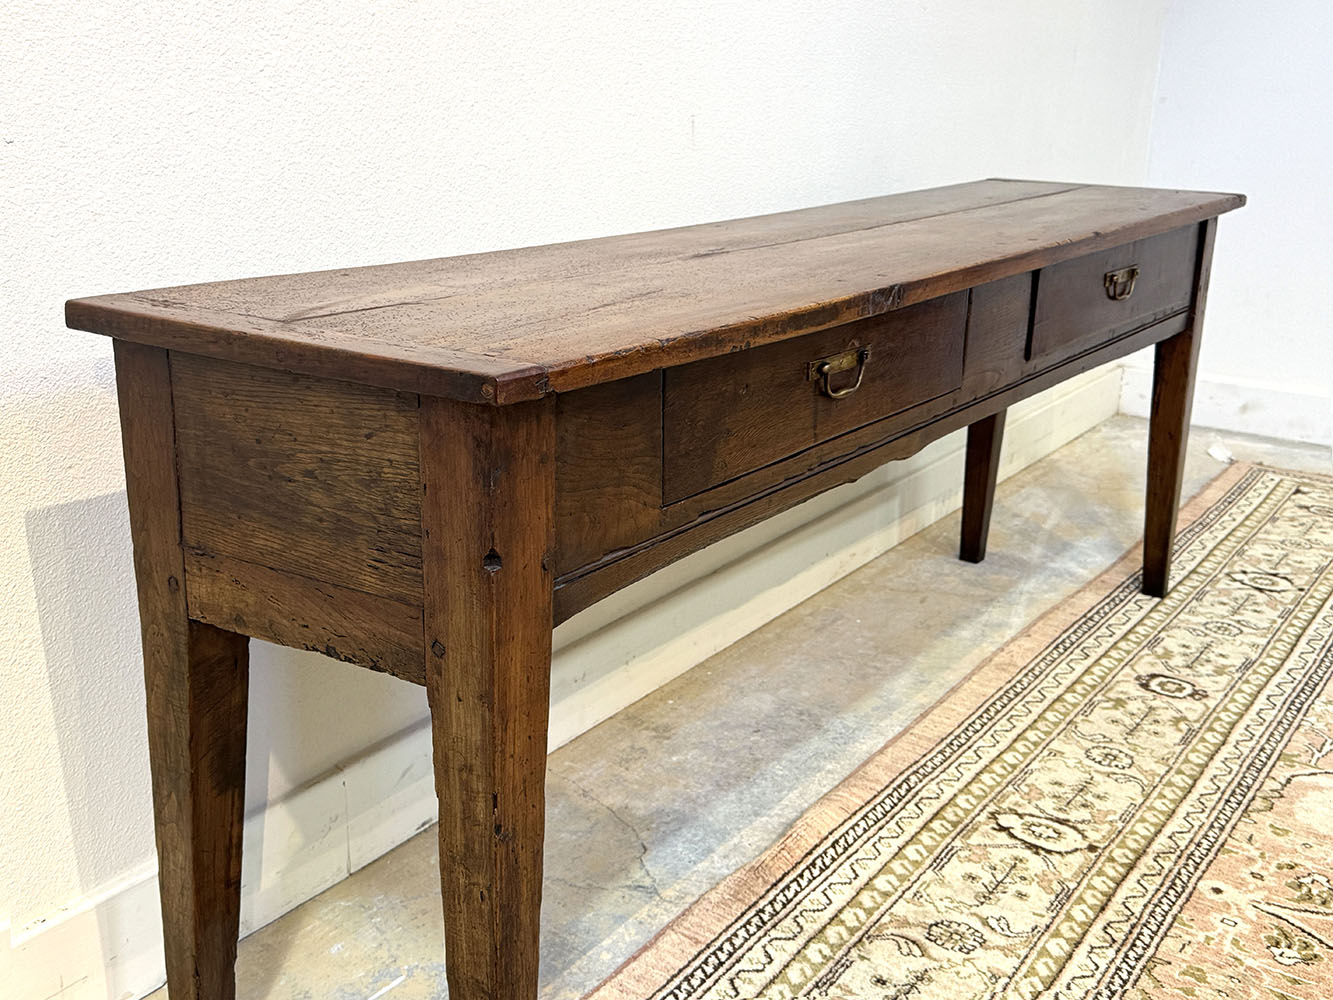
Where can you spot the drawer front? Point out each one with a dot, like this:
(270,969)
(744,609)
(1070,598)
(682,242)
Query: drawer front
(730,415)
(1089,300)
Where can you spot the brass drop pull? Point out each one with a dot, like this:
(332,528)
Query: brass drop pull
(823,368)
(1120,284)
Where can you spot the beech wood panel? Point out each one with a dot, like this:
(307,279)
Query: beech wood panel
(516,325)
(726,416)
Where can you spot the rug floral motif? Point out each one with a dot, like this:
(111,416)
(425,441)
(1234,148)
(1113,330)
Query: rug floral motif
(1135,799)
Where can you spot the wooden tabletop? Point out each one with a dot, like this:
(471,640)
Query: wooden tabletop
(516,324)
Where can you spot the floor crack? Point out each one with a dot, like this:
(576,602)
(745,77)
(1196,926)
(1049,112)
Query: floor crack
(643,845)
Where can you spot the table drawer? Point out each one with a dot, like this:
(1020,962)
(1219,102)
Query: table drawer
(1093,299)
(726,416)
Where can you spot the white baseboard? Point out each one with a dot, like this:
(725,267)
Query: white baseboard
(109,945)
(1243,405)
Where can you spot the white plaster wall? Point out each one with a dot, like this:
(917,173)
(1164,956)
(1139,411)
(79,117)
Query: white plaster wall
(156,143)
(1243,104)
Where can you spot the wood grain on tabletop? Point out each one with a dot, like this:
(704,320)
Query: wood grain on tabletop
(516,324)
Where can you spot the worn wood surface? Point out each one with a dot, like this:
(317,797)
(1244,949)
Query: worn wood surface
(608,469)
(727,416)
(994,368)
(348,625)
(309,476)
(195,679)
(984,440)
(997,333)
(1168,427)
(513,325)
(488,540)
(694,523)
(295,475)
(1072,308)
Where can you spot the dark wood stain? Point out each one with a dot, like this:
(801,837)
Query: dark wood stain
(1176,360)
(1072,306)
(727,416)
(984,439)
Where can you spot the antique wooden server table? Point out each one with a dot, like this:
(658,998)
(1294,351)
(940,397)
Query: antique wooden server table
(421,468)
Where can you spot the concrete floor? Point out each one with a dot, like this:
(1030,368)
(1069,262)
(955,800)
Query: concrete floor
(653,807)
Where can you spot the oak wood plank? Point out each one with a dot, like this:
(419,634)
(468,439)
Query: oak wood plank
(488,539)
(608,468)
(196,682)
(345,624)
(514,325)
(310,476)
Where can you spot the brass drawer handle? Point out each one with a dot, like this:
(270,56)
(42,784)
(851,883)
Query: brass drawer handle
(1120,284)
(821,370)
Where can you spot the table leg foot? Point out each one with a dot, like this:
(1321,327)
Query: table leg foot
(984,439)
(1168,434)
(196,743)
(1174,366)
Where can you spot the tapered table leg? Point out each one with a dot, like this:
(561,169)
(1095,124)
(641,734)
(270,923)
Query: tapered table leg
(1168,433)
(196,680)
(1174,366)
(984,439)
(489,477)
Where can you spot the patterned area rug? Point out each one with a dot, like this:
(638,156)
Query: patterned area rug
(1133,799)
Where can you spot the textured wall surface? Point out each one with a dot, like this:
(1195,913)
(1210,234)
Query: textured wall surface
(150,144)
(1242,105)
